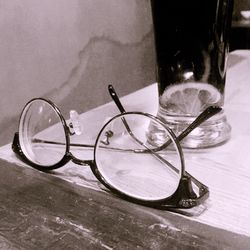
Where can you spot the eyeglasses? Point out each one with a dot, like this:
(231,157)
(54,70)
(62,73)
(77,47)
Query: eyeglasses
(126,159)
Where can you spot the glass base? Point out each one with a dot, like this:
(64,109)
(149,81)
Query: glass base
(212,132)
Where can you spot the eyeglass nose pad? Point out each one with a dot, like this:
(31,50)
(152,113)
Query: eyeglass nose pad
(108,135)
(75,123)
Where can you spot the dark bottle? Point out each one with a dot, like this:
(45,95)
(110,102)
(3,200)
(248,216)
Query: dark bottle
(191,35)
(191,43)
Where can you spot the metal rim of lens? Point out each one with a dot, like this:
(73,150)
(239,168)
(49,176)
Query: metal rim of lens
(99,174)
(22,125)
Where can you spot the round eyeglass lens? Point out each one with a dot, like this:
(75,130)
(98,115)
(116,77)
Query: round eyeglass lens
(131,163)
(41,133)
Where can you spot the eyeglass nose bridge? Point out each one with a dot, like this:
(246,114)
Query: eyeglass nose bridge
(81,162)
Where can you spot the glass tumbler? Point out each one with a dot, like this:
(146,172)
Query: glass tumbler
(191,44)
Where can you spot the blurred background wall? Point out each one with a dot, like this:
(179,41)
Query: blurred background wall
(68,51)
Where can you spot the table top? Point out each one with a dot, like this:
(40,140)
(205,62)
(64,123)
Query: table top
(70,209)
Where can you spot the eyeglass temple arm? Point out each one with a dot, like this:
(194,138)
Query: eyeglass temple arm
(205,115)
(121,108)
(116,98)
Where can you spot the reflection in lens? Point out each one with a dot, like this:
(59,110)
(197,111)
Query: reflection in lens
(40,123)
(127,165)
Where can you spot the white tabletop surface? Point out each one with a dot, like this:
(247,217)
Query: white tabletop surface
(224,169)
